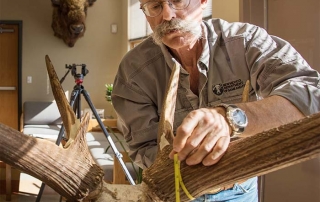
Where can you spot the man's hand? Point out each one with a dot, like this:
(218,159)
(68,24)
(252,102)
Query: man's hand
(203,136)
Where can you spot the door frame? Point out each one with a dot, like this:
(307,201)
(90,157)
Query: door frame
(250,11)
(19,23)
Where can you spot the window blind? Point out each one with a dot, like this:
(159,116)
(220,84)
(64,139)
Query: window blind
(138,25)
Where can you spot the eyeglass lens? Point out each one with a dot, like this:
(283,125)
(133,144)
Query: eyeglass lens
(154,8)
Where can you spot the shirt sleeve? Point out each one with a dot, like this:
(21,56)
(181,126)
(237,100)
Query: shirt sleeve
(278,69)
(137,120)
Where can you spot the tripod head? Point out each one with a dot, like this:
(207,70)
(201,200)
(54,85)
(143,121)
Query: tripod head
(78,76)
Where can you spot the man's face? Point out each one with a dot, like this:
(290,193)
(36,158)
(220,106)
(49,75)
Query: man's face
(177,28)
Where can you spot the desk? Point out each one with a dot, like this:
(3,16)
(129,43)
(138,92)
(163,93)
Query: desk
(119,176)
(9,180)
(94,125)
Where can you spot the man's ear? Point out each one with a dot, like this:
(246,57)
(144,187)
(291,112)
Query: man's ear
(204,4)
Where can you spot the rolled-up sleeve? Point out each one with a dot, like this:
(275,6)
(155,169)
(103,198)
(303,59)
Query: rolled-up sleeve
(137,96)
(137,120)
(278,69)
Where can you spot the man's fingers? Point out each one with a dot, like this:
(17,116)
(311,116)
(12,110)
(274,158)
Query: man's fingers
(185,130)
(217,152)
(197,137)
(202,151)
(211,143)
(203,137)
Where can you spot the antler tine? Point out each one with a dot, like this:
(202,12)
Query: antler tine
(70,122)
(165,133)
(246,91)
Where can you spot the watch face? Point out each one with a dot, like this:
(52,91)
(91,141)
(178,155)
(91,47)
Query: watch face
(239,118)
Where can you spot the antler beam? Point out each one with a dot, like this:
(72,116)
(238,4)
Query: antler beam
(72,172)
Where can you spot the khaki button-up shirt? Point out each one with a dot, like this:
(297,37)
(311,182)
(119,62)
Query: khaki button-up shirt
(233,53)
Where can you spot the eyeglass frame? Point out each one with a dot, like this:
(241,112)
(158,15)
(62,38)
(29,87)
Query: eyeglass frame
(161,4)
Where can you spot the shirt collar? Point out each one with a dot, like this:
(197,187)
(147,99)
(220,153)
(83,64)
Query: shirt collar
(167,55)
(205,55)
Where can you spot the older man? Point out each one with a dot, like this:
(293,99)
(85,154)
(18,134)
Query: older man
(217,59)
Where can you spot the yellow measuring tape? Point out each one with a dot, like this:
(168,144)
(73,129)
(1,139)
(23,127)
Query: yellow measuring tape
(178,180)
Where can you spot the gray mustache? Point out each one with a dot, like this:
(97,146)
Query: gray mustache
(174,24)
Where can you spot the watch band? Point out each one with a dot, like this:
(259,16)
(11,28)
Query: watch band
(237,129)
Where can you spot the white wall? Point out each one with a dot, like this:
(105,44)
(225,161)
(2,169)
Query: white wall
(99,49)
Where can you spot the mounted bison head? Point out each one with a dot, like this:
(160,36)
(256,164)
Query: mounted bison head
(68,19)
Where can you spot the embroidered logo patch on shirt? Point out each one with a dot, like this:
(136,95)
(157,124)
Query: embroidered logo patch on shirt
(219,89)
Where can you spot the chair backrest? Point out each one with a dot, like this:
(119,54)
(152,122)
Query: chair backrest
(41,113)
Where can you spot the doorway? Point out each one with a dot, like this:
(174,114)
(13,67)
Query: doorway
(10,92)
(10,72)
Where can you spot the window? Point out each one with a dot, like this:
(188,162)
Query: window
(207,13)
(138,25)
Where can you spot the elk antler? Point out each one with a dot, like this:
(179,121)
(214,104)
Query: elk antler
(74,175)
(165,134)
(69,119)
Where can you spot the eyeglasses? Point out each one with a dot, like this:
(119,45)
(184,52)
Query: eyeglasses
(154,8)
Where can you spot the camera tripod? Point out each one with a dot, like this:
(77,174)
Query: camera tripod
(75,103)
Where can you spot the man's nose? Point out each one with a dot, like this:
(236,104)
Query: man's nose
(167,12)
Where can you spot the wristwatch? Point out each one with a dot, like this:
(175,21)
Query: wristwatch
(236,117)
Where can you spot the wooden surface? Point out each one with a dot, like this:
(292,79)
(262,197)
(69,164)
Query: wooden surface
(108,123)
(8,183)
(119,176)
(9,180)
(9,78)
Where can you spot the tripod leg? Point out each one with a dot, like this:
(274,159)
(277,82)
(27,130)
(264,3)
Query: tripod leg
(40,192)
(115,150)
(75,100)
(74,95)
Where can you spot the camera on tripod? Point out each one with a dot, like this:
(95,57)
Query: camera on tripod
(74,71)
